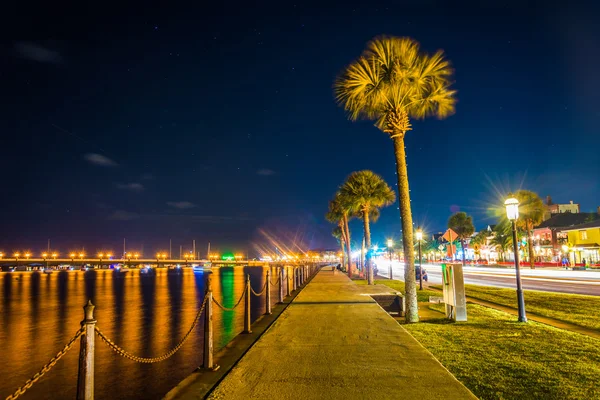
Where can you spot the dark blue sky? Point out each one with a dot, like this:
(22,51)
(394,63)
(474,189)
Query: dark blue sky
(213,124)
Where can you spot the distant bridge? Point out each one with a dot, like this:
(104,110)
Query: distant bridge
(50,262)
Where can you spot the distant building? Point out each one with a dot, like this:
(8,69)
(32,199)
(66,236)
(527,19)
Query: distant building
(551,234)
(552,208)
(584,242)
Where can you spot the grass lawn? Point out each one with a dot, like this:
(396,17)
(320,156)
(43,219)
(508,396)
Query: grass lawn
(422,295)
(498,358)
(574,308)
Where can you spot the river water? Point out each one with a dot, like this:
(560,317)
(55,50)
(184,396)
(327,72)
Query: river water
(146,314)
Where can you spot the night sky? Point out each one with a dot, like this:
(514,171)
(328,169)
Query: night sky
(220,124)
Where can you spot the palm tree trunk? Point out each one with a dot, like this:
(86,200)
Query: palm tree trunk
(368,245)
(530,245)
(348,245)
(342,245)
(412,311)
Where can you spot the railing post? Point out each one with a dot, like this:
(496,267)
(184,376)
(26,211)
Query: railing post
(295,277)
(281,284)
(208,325)
(287,280)
(85,379)
(247,308)
(301,275)
(268,292)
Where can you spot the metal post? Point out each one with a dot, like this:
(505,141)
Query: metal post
(281,285)
(85,379)
(208,325)
(268,292)
(421,267)
(247,308)
(390,256)
(520,298)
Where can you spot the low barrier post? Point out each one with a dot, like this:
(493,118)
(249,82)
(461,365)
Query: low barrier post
(247,308)
(268,293)
(208,325)
(280,284)
(85,378)
(295,277)
(287,280)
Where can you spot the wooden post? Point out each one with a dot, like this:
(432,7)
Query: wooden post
(247,308)
(208,325)
(301,270)
(268,293)
(295,278)
(85,379)
(281,284)
(287,280)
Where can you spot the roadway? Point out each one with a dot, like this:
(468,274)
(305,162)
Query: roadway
(547,280)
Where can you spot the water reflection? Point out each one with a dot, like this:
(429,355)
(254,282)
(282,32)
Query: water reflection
(147,314)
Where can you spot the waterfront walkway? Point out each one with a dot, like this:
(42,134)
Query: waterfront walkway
(335,342)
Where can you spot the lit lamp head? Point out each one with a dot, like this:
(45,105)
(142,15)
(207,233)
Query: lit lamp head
(81,255)
(419,235)
(390,243)
(44,255)
(72,255)
(54,255)
(512,209)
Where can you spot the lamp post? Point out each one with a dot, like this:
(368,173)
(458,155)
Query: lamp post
(390,244)
(419,238)
(512,213)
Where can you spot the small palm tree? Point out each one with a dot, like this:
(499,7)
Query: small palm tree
(531,214)
(339,213)
(462,224)
(501,240)
(367,192)
(391,83)
(339,235)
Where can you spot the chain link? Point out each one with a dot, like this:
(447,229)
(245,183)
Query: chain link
(277,281)
(145,360)
(262,291)
(236,304)
(46,367)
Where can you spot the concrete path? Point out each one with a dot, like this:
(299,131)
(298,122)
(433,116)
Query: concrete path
(335,342)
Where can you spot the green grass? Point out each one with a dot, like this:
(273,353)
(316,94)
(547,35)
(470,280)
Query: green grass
(422,295)
(498,358)
(573,308)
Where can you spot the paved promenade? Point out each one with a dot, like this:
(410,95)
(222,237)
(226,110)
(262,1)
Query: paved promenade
(335,342)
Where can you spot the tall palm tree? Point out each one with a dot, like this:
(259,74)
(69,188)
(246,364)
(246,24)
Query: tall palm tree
(339,213)
(462,224)
(531,214)
(367,192)
(391,83)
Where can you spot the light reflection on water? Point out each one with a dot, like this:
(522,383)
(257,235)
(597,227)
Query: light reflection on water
(146,314)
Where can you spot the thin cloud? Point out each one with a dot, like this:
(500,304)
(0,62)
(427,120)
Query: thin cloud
(38,53)
(181,205)
(147,177)
(100,160)
(122,215)
(265,172)
(132,187)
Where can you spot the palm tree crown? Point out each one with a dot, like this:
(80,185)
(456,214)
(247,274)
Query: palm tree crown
(393,81)
(366,192)
(462,224)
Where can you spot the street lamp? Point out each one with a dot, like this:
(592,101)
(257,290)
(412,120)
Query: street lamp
(1,255)
(512,213)
(45,257)
(419,238)
(390,244)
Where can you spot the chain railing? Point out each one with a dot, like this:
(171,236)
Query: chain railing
(88,330)
(46,367)
(145,360)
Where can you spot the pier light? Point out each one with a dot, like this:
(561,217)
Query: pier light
(512,209)
(81,255)
(108,255)
(27,255)
(100,255)
(158,255)
(44,255)
(164,255)
(72,255)
(136,255)
(16,255)
(54,255)
(1,255)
